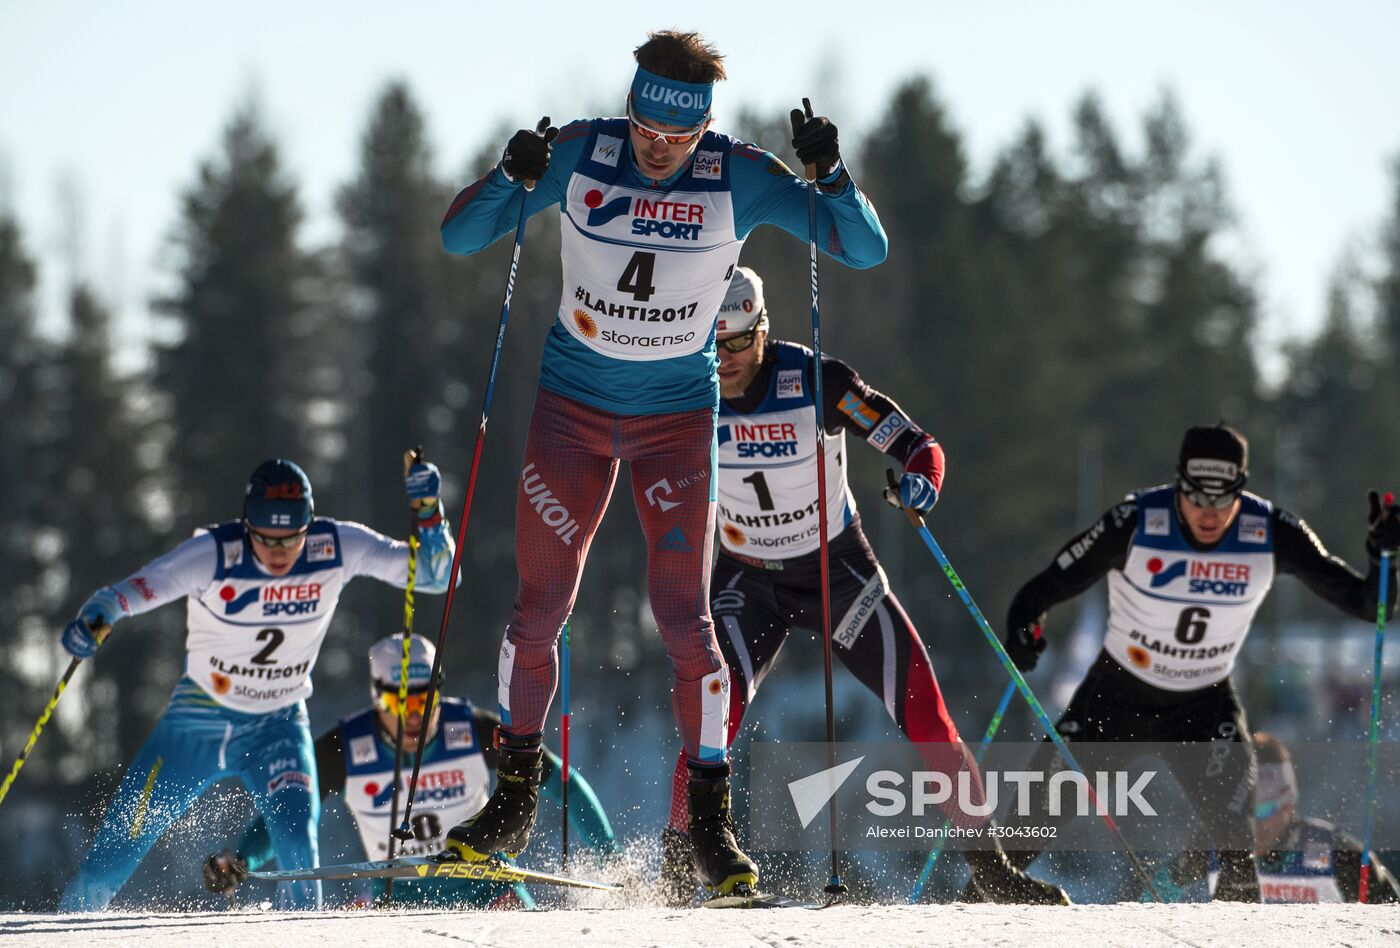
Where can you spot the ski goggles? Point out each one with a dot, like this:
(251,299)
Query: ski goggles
(1263,811)
(652,134)
(738,343)
(284,543)
(1195,494)
(415,703)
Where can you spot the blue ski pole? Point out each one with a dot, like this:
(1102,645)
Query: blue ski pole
(892,496)
(917,892)
(1382,594)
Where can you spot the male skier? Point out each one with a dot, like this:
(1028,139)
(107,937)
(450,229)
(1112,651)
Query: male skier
(1188,566)
(655,208)
(355,759)
(767,578)
(260,592)
(1301,858)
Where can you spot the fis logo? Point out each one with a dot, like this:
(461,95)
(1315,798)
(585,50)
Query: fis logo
(607,150)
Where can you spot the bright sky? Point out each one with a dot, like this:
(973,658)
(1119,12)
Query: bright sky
(1299,101)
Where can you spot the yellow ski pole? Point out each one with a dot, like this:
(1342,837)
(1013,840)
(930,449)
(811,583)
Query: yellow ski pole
(99,633)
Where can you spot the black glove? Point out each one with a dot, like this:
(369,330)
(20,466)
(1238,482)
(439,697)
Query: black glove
(1382,524)
(816,142)
(527,153)
(224,871)
(1024,643)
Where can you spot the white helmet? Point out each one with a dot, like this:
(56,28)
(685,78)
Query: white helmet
(386,662)
(743,308)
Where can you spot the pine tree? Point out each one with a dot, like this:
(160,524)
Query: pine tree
(1387,440)
(1335,399)
(238,379)
(106,534)
(408,389)
(28,545)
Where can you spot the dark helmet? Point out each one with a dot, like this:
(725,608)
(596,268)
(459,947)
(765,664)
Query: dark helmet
(278,496)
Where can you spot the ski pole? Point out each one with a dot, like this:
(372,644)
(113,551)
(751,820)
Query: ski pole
(100,634)
(917,892)
(834,887)
(1382,594)
(564,747)
(404,832)
(892,495)
(410,458)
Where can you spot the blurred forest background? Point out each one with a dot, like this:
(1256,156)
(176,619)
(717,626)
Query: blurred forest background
(1056,323)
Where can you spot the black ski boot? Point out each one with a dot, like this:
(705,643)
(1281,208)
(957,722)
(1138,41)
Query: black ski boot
(1239,877)
(995,879)
(504,823)
(971,893)
(677,884)
(722,867)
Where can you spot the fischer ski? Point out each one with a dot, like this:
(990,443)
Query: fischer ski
(431,867)
(760,900)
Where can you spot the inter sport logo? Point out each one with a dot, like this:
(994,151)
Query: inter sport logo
(290,600)
(1212,577)
(600,213)
(234,603)
(678,220)
(1163,575)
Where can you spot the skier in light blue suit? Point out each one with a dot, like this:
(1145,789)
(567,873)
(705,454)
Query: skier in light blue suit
(655,207)
(260,594)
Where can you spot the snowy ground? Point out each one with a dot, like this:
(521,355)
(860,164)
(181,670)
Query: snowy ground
(850,926)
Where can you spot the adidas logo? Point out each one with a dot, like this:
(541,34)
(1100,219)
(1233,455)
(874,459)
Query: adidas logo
(674,542)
